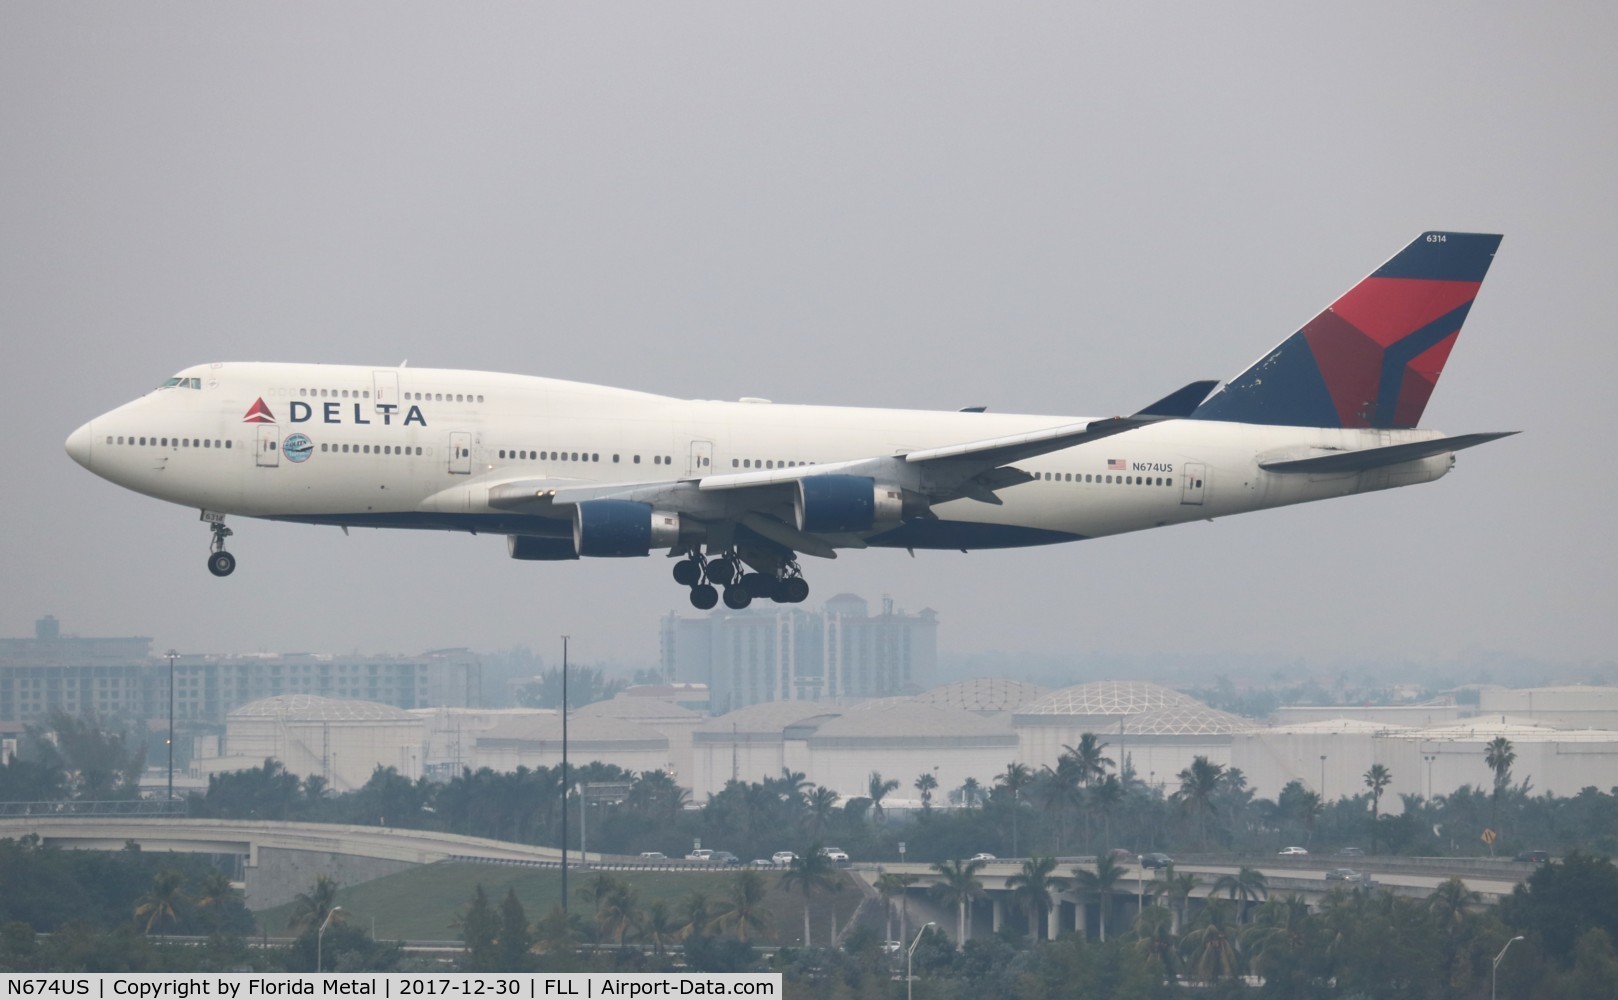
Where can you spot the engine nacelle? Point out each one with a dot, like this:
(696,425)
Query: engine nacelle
(529,547)
(622,528)
(846,503)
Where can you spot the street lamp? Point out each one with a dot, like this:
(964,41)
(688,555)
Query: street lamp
(1496,969)
(1429,758)
(1322,778)
(910,954)
(564,775)
(320,938)
(172,655)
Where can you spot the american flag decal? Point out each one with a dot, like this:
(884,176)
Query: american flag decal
(1116,465)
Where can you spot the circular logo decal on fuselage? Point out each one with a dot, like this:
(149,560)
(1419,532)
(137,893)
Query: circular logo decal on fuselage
(297,447)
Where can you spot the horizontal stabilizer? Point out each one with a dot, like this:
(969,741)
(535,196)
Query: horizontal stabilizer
(1375,458)
(1181,402)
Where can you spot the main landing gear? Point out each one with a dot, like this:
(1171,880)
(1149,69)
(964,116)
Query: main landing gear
(741,586)
(220,562)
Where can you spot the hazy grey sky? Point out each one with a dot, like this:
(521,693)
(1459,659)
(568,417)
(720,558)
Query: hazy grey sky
(1063,209)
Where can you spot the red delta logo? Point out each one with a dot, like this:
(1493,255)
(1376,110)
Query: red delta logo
(258,413)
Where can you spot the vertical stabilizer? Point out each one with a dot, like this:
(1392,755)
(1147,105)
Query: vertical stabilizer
(1372,358)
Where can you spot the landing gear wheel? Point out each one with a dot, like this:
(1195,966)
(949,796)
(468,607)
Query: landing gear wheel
(737,597)
(688,572)
(758,585)
(793,590)
(721,571)
(221,563)
(704,596)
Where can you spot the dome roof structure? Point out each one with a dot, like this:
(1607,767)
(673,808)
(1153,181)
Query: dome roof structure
(313,708)
(635,708)
(910,724)
(1110,698)
(984,695)
(1195,719)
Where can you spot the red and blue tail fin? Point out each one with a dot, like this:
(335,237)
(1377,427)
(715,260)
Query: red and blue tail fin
(1373,357)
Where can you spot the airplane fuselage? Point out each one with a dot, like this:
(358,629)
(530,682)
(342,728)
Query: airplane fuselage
(422,448)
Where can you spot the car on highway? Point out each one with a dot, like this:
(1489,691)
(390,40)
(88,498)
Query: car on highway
(653,856)
(1119,854)
(1537,857)
(761,863)
(700,854)
(1156,861)
(834,854)
(725,858)
(1342,875)
(983,856)
(1292,852)
(783,858)
(1351,852)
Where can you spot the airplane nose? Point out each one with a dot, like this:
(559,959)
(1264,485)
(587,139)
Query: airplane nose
(78,444)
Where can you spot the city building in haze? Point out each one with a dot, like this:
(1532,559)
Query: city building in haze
(787,653)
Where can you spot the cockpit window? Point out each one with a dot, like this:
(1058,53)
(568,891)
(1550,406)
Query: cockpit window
(181,383)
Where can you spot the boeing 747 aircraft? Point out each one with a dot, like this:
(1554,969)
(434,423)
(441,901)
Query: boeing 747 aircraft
(736,491)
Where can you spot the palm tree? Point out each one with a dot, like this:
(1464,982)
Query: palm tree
(925,784)
(1100,883)
(1499,755)
(618,913)
(1199,784)
(662,927)
(1179,889)
(1092,764)
(161,904)
(820,806)
(215,894)
(971,793)
(811,873)
(745,911)
(1107,796)
(878,790)
(959,888)
(696,915)
(1448,903)
(310,909)
(1014,779)
(1278,931)
(889,885)
(1247,885)
(1211,946)
(1155,937)
(1031,889)
(1377,779)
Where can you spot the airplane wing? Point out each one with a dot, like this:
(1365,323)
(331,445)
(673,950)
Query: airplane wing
(1374,458)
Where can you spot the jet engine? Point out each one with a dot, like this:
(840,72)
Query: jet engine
(622,528)
(529,547)
(846,503)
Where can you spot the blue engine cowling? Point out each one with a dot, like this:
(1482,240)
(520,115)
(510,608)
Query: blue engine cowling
(529,547)
(622,528)
(846,503)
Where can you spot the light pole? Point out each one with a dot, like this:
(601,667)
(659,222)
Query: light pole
(910,954)
(564,775)
(320,938)
(172,655)
(1429,758)
(1493,972)
(1322,779)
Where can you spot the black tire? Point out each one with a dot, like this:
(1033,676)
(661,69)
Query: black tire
(758,586)
(721,572)
(221,564)
(794,590)
(704,596)
(687,573)
(737,598)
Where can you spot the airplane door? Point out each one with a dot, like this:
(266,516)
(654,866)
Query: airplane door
(386,386)
(460,453)
(269,446)
(1191,487)
(701,462)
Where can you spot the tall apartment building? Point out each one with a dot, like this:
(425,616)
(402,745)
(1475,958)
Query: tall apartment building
(790,654)
(121,677)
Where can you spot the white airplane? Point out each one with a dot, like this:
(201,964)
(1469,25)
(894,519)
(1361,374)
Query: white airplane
(738,490)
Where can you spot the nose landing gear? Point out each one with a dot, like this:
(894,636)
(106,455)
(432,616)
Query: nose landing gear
(220,562)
